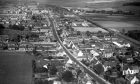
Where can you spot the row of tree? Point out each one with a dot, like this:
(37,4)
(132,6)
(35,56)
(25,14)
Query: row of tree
(17,27)
(1,29)
(111,12)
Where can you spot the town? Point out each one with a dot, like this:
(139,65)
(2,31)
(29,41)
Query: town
(65,47)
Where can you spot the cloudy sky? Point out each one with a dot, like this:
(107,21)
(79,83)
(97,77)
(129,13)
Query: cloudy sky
(83,2)
(87,3)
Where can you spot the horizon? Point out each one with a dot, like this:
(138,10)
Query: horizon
(131,5)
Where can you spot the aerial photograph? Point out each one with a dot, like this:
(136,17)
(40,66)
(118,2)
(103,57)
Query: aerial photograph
(69,41)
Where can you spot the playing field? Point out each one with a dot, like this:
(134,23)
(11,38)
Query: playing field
(15,68)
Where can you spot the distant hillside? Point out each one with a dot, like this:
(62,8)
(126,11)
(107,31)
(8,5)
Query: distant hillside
(132,4)
(120,5)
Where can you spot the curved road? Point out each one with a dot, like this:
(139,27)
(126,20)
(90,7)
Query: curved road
(72,57)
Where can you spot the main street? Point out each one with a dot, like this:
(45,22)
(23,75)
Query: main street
(72,57)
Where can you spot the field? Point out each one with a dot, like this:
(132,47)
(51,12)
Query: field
(129,25)
(118,22)
(15,68)
(91,29)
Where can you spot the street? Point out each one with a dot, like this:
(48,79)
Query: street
(91,73)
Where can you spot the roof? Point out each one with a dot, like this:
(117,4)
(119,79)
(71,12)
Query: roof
(84,46)
(4,36)
(118,44)
(52,44)
(126,66)
(94,53)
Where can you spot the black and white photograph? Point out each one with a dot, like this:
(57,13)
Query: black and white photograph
(69,41)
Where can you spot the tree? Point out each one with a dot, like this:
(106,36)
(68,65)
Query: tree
(17,27)
(83,42)
(52,70)
(34,17)
(18,38)
(1,29)
(72,29)
(78,33)
(36,53)
(103,11)
(5,46)
(21,28)
(59,31)
(88,33)
(27,37)
(98,68)
(100,34)
(34,35)
(123,31)
(67,76)
(85,62)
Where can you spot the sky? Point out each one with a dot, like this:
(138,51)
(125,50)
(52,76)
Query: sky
(86,3)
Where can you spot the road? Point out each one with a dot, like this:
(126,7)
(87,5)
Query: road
(72,57)
(15,68)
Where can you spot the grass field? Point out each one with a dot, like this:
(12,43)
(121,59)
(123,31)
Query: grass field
(129,25)
(118,22)
(15,68)
(91,29)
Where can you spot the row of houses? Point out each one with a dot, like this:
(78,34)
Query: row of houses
(26,46)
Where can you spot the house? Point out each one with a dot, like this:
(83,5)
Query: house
(74,39)
(62,53)
(64,33)
(94,53)
(106,45)
(44,29)
(130,70)
(44,43)
(42,35)
(118,44)
(35,30)
(25,46)
(4,37)
(44,46)
(80,24)
(37,27)
(12,46)
(107,53)
(82,46)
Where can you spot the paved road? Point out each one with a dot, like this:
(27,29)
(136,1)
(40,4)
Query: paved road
(72,57)
(15,68)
